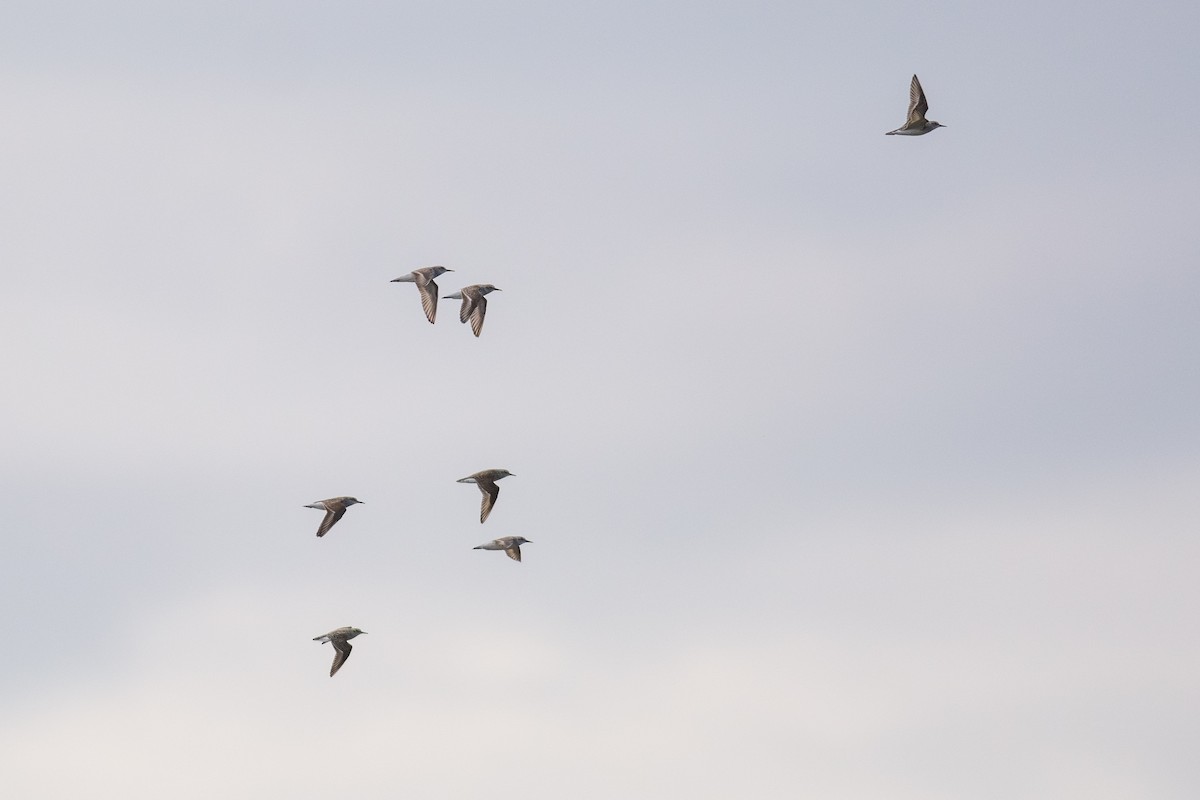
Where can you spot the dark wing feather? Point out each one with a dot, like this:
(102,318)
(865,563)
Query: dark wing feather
(429,297)
(490,492)
(465,311)
(332,515)
(343,649)
(477,315)
(917,105)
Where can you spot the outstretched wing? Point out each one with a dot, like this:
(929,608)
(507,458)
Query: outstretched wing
(917,105)
(477,315)
(490,492)
(343,649)
(465,310)
(332,515)
(514,552)
(429,297)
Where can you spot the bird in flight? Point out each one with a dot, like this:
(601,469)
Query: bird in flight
(340,639)
(486,481)
(917,125)
(509,544)
(334,508)
(474,304)
(423,278)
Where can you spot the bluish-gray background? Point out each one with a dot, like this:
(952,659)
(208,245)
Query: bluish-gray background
(855,466)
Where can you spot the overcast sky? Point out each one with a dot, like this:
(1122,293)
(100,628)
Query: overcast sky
(855,466)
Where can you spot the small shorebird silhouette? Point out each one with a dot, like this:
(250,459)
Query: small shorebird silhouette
(423,278)
(486,480)
(334,508)
(509,544)
(340,639)
(917,125)
(474,304)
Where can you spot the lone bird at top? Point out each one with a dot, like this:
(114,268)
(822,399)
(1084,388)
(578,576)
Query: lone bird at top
(423,278)
(917,125)
(509,544)
(474,304)
(340,639)
(334,508)
(486,481)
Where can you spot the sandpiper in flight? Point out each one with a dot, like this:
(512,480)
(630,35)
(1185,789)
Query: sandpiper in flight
(509,544)
(334,508)
(474,305)
(917,125)
(339,638)
(423,278)
(486,480)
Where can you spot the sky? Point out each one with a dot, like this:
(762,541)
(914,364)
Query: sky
(854,466)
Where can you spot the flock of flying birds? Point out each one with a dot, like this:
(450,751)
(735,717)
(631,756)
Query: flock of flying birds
(474,306)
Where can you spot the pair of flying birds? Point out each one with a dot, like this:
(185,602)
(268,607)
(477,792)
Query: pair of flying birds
(474,303)
(335,507)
